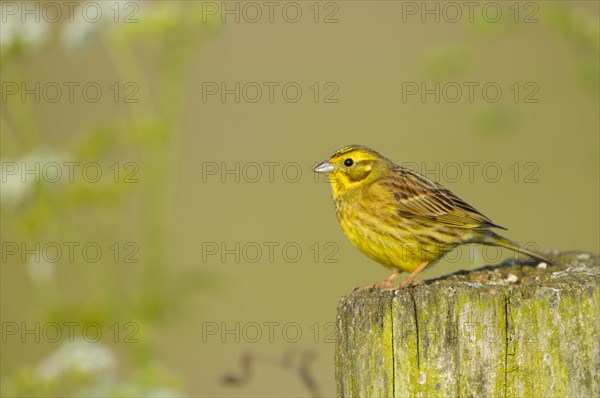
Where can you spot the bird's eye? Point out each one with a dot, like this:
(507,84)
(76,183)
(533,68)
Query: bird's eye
(348,162)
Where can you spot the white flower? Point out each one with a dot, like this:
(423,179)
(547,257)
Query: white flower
(89,358)
(17,178)
(14,189)
(39,269)
(90,20)
(17,29)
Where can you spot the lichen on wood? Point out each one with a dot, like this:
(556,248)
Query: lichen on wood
(499,331)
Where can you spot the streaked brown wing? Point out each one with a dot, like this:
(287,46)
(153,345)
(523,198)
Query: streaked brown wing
(417,196)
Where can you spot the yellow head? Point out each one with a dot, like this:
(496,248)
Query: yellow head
(353,166)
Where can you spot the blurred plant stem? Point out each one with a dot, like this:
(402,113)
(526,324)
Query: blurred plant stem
(21,112)
(157,138)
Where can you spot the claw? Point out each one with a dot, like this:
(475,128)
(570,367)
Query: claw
(385,285)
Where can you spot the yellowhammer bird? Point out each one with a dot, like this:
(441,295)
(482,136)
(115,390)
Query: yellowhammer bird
(400,218)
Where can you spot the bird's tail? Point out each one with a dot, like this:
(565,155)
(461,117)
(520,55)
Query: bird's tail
(493,239)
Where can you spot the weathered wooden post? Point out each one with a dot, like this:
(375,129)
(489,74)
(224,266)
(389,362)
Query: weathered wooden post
(507,331)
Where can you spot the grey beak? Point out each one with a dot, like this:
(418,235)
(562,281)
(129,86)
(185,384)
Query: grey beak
(324,167)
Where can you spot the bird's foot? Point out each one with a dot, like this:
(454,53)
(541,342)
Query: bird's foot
(408,283)
(385,285)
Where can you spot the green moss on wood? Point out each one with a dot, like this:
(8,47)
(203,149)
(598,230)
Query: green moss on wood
(476,334)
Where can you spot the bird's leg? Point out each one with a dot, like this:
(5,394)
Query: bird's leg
(388,282)
(408,281)
(383,285)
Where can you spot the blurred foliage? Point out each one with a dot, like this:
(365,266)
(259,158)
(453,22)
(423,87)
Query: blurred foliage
(582,32)
(446,62)
(495,119)
(82,368)
(169,34)
(577,26)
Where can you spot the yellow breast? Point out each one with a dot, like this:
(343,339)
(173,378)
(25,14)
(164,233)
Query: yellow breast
(389,245)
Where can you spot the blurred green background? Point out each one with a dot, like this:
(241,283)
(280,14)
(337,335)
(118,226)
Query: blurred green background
(220,248)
